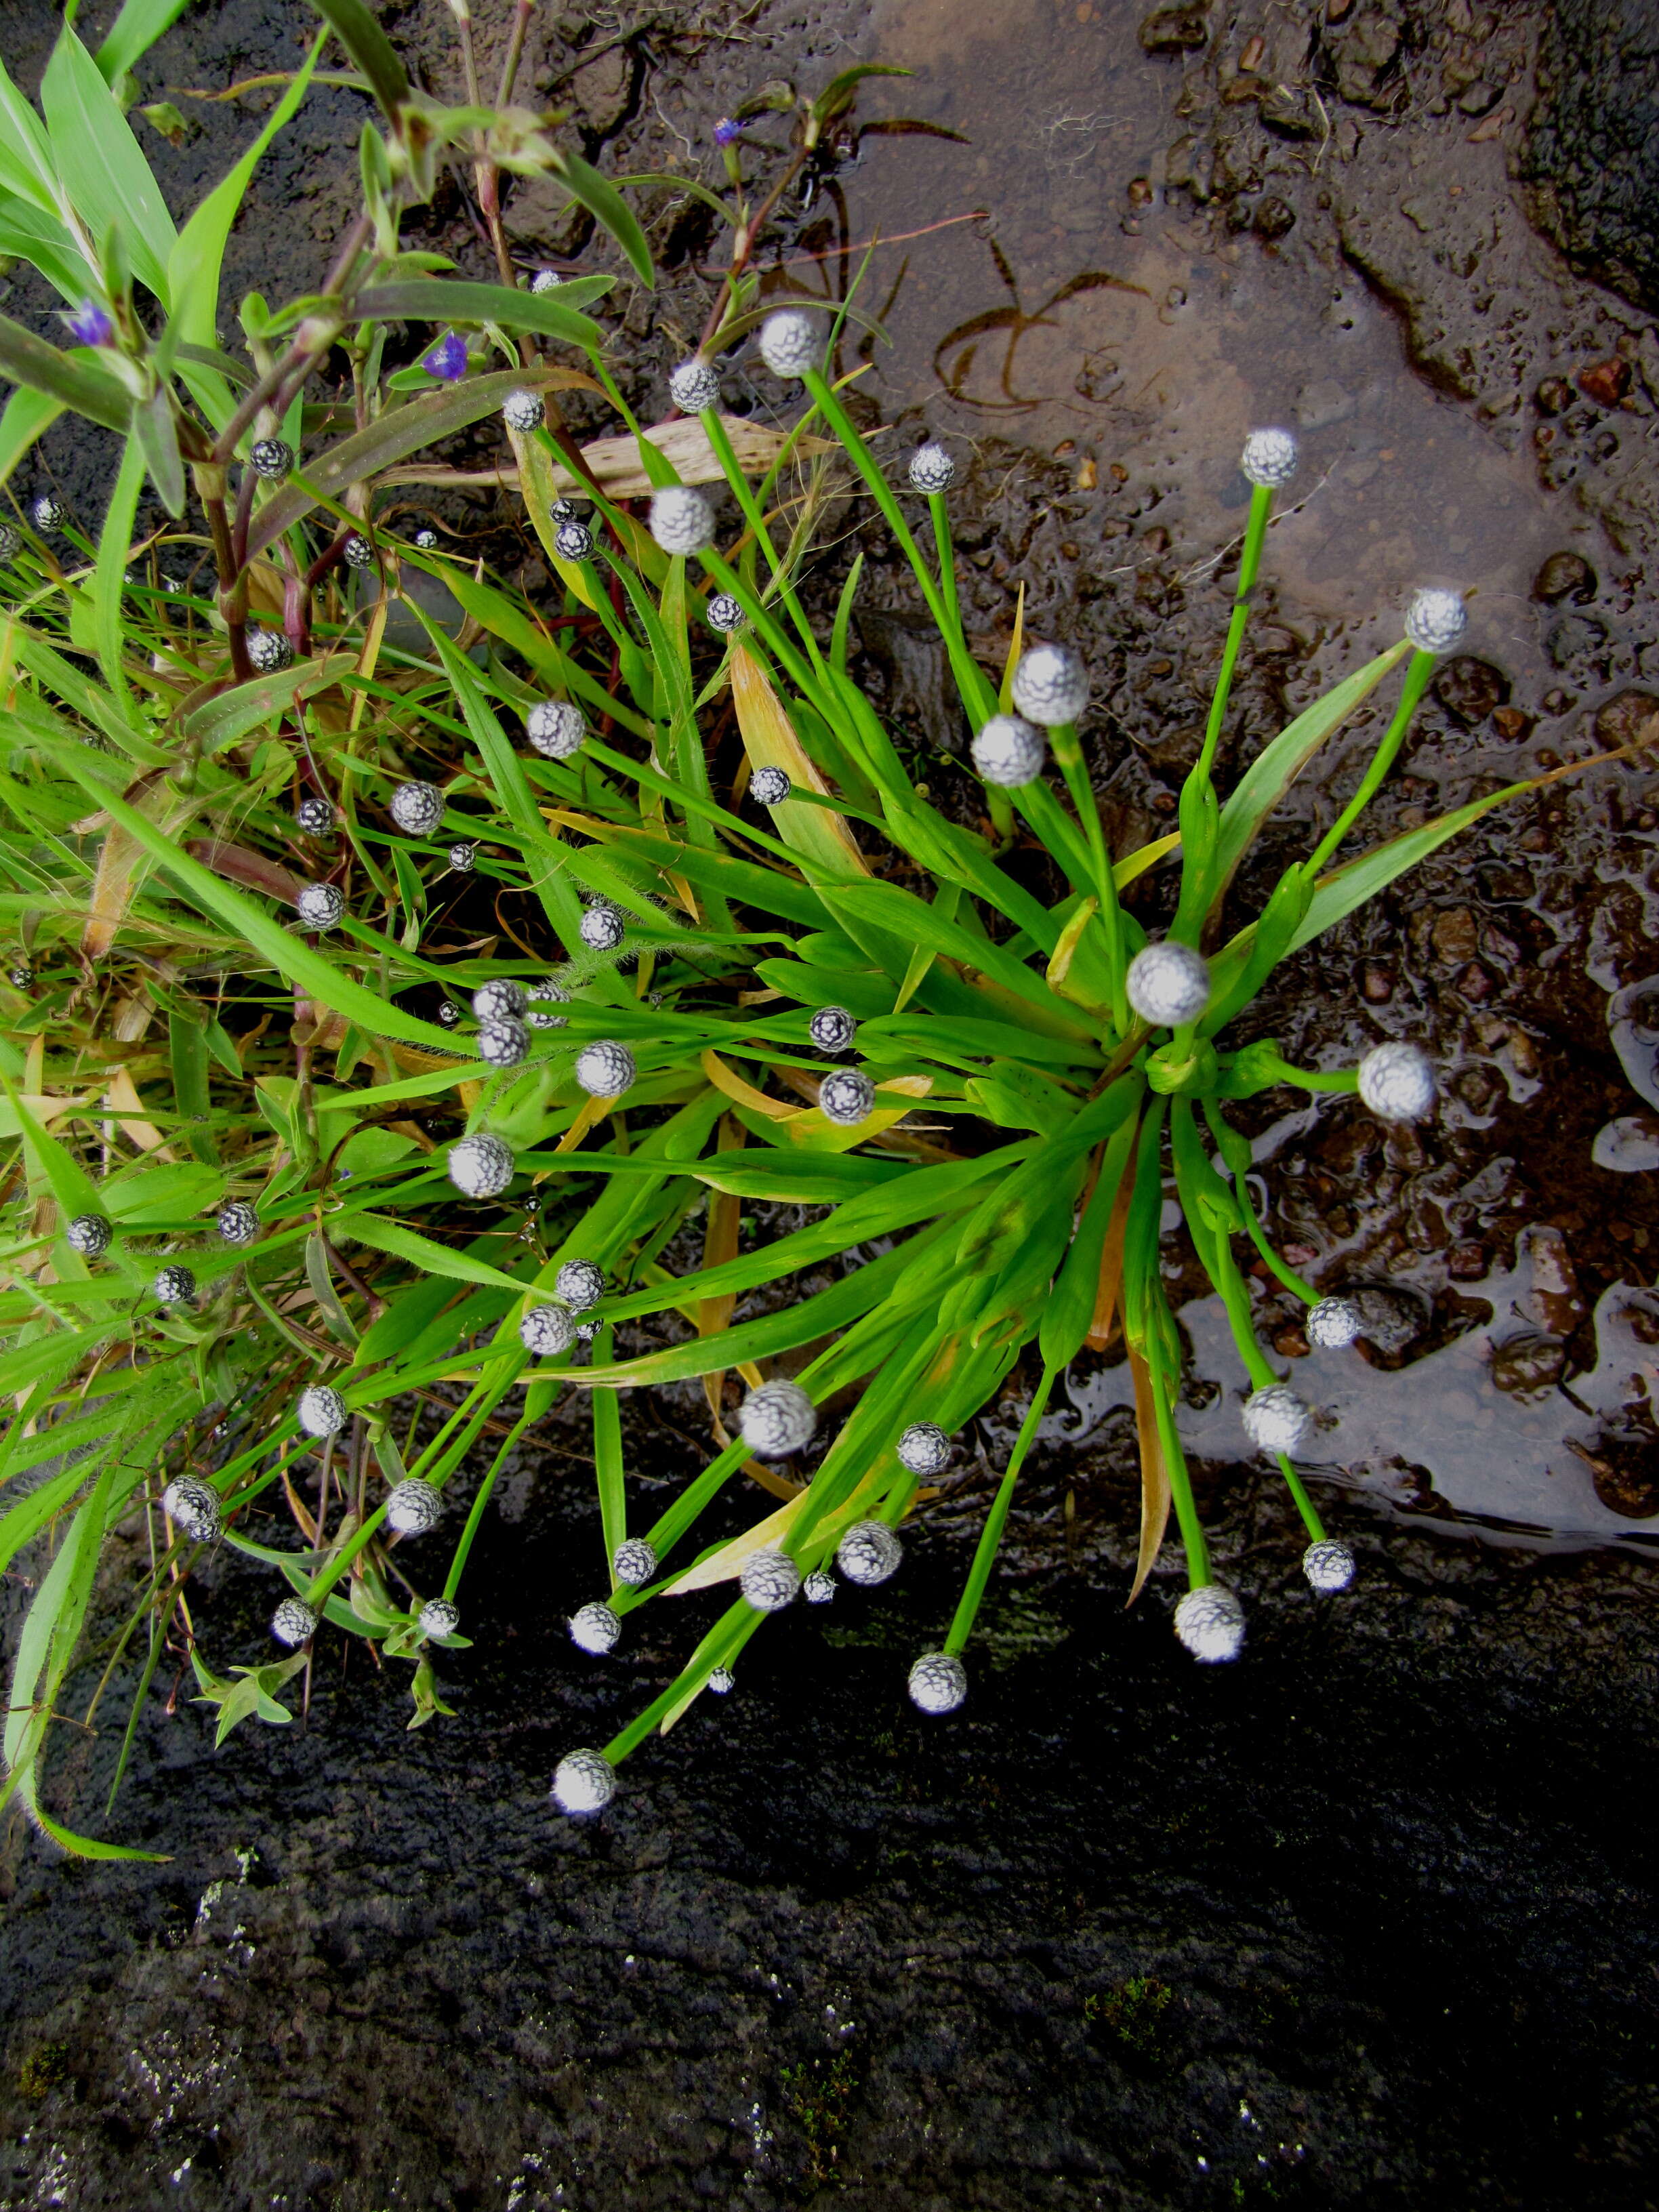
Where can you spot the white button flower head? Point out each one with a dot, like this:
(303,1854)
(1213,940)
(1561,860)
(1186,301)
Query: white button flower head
(238,1222)
(417,808)
(48,514)
(272,458)
(11,542)
(1051,685)
(545,280)
(573,541)
(832,1029)
(1276,1419)
(695,386)
(522,410)
(498,1000)
(924,1449)
(174,1286)
(547,1331)
(555,728)
(722,1681)
(322,1412)
(584,1782)
(1168,984)
(564,510)
(463,857)
(770,1580)
(1329,1566)
(481,1166)
(1210,1622)
(1396,1082)
(1436,620)
(1333,1323)
(847,1097)
(869,1552)
(603,927)
(357,552)
(777,1419)
(1009,753)
(819,1587)
(89,1235)
(595,1628)
(939,1682)
(1269,457)
(634,1563)
(314,816)
(682,519)
(606,1069)
(791,342)
(427,540)
(319,906)
(292,1622)
(439,1617)
(192,1506)
(931,469)
(269,651)
(769,786)
(724,613)
(580,1284)
(504,1044)
(414,1507)
(548,993)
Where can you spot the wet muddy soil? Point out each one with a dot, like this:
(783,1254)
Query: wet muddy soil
(1369,1917)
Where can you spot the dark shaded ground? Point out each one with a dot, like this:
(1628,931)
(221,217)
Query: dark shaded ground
(1366,1919)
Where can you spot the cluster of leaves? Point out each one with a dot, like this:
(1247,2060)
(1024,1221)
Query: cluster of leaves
(180,1041)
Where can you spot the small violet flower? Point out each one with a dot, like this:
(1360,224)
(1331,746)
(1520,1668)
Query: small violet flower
(448,359)
(90,324)
(726,130)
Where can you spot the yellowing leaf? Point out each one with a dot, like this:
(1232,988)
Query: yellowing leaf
(769,740)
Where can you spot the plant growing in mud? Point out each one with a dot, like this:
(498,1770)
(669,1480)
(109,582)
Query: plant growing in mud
(265,1218)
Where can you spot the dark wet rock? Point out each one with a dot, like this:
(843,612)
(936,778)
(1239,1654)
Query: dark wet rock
(1365,51)
(1606,382)
(1626,1474)
(1469,688)
(1288,113)
(910,655)
(1564,577)
(1174,30)
(1455,935)
(1592,153)
(1570,639)
(1274,217)
(1625,717)
(1553,396)
(1393,1318)
(1529,1364)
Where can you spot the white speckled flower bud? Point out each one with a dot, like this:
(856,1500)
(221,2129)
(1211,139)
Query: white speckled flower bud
(722,1681)
(357,552)
(924,1449)
(580,1284)
(573,541)
(48,514)
(634,1563)
(12,544)
(546,1331)
(1269,457)
(1436,619)
(294,1622)
(545,280)
(606,1069)
(939,1682)
(869,1552)
(238,1222)
(500,1000)
(555,728)
(603,927)
(503,1044)
(1329,1566)
(1009,753)
(1276,1419)
(1168,984)
(174,1286)
(1051,685)
(439,1618)
(584,1782)
(777,1419)
(770,1580)
(847,1097)
(931,469)
(417,808)
(1333,1323)
(1210,1622)
(89,1235)
(682,519)
(319,906)
(272,458)
(322,1412)
(819,1587)
(548,993)
(314,816)
(269,651)
(769,786)
(791,342)
(832,1029)
(427,540)
(480,1166)
(564,510)
(413,1507)
(724,613)
(695,386)
(522,410)
(1396,1082)
(595,1628)
(192,1506)
(463,857)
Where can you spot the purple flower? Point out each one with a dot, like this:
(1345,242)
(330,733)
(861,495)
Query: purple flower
(90,325)
(448,359)
(726,130)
